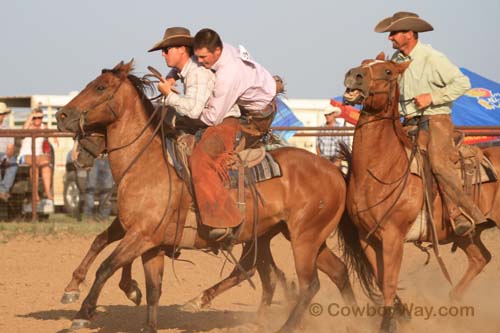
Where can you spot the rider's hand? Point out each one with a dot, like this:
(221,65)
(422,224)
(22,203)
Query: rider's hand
(167,86)
(422,101)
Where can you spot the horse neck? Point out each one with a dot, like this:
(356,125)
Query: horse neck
(129,125)
(379,141)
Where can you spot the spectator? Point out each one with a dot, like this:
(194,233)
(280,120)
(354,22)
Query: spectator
(99,186)
(326,146)
(35,121)
(8,161)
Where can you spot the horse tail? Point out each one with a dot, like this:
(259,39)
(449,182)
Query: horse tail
(355,258)
(344,153)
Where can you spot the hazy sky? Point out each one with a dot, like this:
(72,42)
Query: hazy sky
(57,46)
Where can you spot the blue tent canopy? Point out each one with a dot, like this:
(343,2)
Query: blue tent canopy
(480,106)
(285,117)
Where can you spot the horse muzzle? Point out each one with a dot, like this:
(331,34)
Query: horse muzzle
(353,96)
(68,120)
(356,87)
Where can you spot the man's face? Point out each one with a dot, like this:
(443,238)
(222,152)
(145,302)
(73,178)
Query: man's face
(330,118)
(2,117)
(173,55)
(400,39)
(207,58)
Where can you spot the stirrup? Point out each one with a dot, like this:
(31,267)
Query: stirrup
(463,226)
(219,234)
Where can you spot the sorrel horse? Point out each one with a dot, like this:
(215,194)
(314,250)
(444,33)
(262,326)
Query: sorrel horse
(384,198)
(258,257)
(150,199)
(262,262)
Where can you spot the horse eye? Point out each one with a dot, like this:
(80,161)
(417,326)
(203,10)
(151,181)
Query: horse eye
(388,72)
(101,88)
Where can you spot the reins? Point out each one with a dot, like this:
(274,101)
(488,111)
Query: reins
(399,182)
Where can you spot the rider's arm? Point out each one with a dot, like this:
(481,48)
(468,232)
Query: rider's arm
(198,87)
(451,82)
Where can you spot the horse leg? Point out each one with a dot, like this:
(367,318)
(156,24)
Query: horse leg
(129,286)
(113,233)
(400,309)
(131,246)
(305,252)
(336,270)
(235,277)
(152,262)
(392,255)
(478,256)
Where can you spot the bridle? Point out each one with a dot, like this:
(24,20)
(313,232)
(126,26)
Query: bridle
(392,82)
(109,150)
(401,181)
(85,112)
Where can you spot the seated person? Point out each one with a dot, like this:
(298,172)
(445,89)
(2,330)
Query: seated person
(8,161)
(35,121)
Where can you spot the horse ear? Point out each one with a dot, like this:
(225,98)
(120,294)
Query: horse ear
(380,56)
(128,66)
(117,67)
(402,66)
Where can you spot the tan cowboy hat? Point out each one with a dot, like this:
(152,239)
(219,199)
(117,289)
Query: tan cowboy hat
(175,36)
(332,109)
(4,109)
(402,21)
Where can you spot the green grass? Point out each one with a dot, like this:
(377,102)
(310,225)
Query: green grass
(56,225)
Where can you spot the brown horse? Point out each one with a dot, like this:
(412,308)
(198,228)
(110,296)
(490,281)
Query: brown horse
(384,198)
(264,263)
(262,260)
(151,200)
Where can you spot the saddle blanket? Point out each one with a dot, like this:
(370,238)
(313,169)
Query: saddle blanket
(267,169)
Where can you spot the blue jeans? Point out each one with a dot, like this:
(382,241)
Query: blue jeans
(99,185)
(10,173)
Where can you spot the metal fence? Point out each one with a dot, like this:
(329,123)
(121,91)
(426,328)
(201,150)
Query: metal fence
(301,132)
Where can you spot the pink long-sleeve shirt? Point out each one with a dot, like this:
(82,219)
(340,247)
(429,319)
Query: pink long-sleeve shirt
(238,80)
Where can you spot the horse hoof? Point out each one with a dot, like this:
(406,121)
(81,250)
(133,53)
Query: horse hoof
(194,305)
(135,295)
(70,297)
(79,323)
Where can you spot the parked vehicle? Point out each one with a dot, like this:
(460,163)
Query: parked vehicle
(75,183)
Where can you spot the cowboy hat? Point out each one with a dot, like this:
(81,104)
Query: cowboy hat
(329,109)
(403,21)
(4,109)
(175,36)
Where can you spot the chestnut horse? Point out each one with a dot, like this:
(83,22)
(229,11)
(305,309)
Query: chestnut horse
(262,260)
(309,196)
(264,263)
(384,198)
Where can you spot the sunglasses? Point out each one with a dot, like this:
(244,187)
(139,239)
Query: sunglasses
(166,49)
(37,117)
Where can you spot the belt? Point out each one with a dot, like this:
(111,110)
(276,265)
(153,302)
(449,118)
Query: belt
(421,121)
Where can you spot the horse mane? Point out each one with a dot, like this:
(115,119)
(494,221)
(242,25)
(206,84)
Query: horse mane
(142,86)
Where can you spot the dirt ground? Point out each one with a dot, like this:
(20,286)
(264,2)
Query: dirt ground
(34,272)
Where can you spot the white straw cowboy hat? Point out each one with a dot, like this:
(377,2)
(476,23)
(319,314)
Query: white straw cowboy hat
(4,109)
(175,36)
(329,109)
(403,21)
